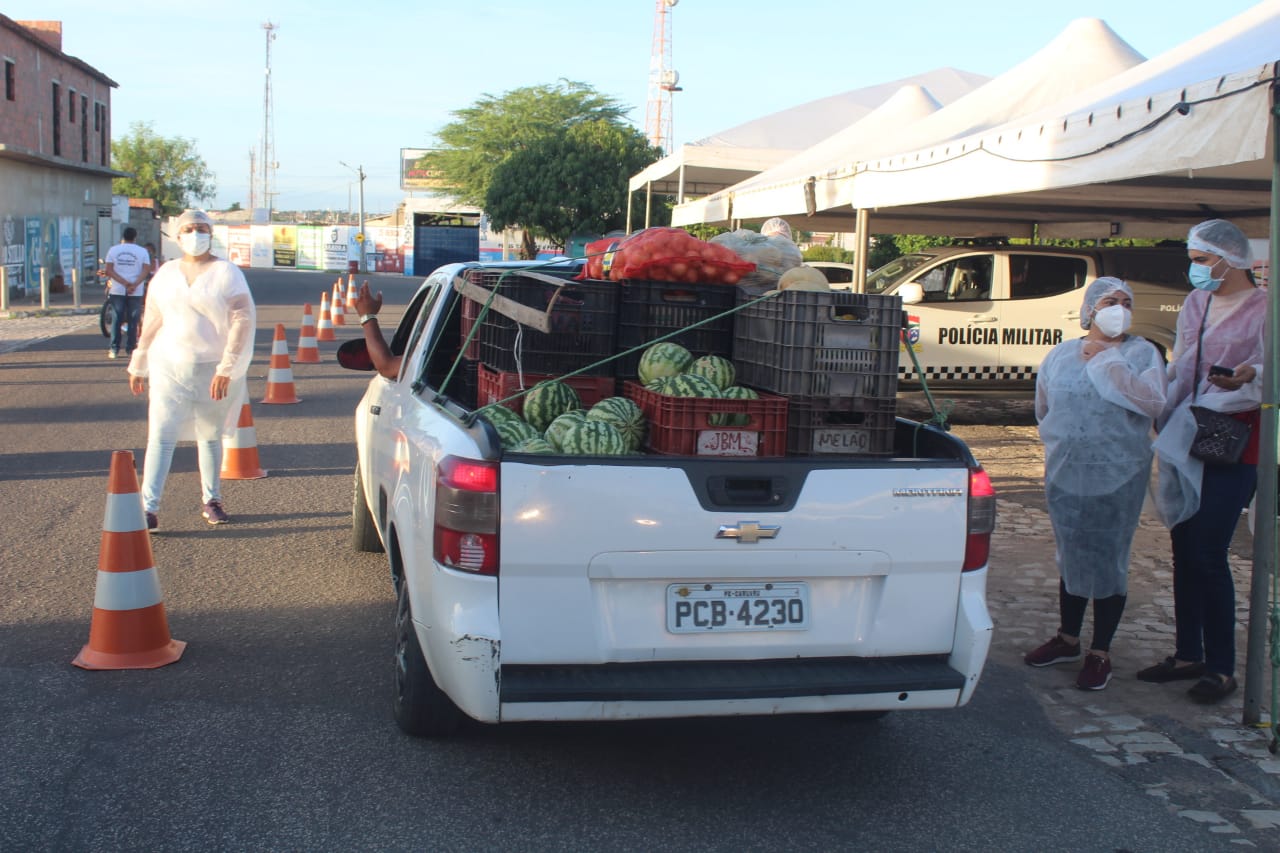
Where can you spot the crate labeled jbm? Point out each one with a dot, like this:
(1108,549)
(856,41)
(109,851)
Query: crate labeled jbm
(711,426)
(496,386)
(819,345)
(539,322)
(647,310)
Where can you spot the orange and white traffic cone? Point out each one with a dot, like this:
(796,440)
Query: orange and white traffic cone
(336,309)
(308,352)
(279,373)
(240,452)
(129,629)
(351,295)
(324,329)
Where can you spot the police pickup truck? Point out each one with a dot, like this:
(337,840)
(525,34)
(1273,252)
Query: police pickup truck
(559,587)
(988,315)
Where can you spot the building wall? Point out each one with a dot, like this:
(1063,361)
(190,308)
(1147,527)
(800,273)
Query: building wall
(50,219)
(28,120)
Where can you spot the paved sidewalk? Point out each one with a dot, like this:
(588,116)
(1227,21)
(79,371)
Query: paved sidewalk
(26,322)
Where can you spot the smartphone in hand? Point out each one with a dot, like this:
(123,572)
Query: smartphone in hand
(1219,370)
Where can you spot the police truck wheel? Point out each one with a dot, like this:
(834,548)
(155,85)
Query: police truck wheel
(421,708)
(364,530)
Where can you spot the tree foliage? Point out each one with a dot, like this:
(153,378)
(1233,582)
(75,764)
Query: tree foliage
(570,182)
(492,129)
(167,169)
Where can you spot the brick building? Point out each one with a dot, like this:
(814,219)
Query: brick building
(55,158)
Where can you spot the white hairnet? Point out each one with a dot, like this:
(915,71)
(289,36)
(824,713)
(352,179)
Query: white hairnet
(776,225)
(1097,289)
(191,215)
(1220,237)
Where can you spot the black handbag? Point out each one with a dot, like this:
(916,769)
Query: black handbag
(1220,439)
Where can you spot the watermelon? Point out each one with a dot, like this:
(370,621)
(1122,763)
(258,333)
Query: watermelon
(512,432)
(735,392)
(592,438)
(663,359)
(624,415)
(494,414)
(718,369)
(533,444)
(662,385)
(560,424)
(691,385)
(548,401)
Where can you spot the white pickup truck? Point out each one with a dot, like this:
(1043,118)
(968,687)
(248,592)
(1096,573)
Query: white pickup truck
(549,587)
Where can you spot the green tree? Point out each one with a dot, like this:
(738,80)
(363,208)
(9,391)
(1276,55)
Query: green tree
(493,128)
(571,182)
(167,169)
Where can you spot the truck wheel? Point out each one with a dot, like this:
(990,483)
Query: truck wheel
(421,708)
(364,531)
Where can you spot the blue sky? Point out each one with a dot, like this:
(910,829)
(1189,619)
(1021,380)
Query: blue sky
(355,82)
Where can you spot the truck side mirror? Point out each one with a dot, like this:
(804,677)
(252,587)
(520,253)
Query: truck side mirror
(354,355)
(912,293)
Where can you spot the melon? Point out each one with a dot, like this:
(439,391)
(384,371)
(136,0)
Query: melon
(592,438)
(717,368)
(735,392)
(804,278)
(560,424)
(663,359)
(547,401)
(624,415)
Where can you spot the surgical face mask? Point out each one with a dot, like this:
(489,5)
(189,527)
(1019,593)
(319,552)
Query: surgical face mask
(1113,321)
(195,243)
(1202,277)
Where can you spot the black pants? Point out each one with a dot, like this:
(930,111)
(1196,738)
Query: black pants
(1106,616)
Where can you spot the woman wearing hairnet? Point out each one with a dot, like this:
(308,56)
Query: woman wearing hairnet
(1221,325)
(1096,400)
(195,350)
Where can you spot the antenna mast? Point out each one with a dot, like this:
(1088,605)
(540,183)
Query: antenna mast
(268,164)
(253,182)
(663,79)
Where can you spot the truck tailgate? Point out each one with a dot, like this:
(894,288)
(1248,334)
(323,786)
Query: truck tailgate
(868,558)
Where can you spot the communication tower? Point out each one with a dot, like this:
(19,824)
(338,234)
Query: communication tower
(663,79)
(268,163)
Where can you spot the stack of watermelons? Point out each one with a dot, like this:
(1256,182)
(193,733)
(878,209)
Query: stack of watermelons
(670,369)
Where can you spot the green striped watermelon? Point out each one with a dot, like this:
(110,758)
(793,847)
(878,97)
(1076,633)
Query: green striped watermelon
(512,432)
(624,415)
(494,413)
(717,368)
(560,424)
(533,444)
(547,401)
(662,385)
(692,385)
(663,359)
(592,438)
(735,392)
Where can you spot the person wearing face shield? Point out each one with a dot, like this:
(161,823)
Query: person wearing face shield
(194,351)
(1097,398)
(1217,363)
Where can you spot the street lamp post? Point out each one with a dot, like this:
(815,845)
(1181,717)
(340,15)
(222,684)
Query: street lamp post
(359,170)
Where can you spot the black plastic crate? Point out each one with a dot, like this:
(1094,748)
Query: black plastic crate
(651,309)
(820,345)
(843,427)
(583,320)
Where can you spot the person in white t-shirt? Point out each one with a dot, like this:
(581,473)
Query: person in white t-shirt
(128,267)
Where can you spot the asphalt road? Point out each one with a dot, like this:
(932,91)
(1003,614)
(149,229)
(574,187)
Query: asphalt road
(274,730)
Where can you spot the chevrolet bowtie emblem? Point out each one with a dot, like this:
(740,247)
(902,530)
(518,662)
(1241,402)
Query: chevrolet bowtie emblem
(748,532)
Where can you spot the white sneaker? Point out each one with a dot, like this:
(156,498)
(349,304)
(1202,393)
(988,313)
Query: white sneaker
(112,354)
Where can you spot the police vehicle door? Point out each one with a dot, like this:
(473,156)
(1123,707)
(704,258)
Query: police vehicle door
(955,328)
(1043,309)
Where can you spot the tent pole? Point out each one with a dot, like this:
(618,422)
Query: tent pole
(630,200)
(862,243)
(648,202)
(1264,536)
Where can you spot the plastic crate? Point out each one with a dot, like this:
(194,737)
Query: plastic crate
(810,345)
(681,426)
(583,320)
(650,309)
(824,426)
(494,385)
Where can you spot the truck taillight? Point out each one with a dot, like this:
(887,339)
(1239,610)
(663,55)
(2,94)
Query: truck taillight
(466,515)
(981,520)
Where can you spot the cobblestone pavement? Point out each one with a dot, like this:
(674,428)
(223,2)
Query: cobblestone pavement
(26,323)
(1201,760)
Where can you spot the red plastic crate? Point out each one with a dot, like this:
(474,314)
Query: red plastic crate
(494,385)
(680,426)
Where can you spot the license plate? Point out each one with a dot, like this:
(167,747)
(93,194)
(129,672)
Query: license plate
(841,441)
(702,608)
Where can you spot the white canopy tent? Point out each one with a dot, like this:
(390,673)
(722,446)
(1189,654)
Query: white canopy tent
(1085,52)
(711,164)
